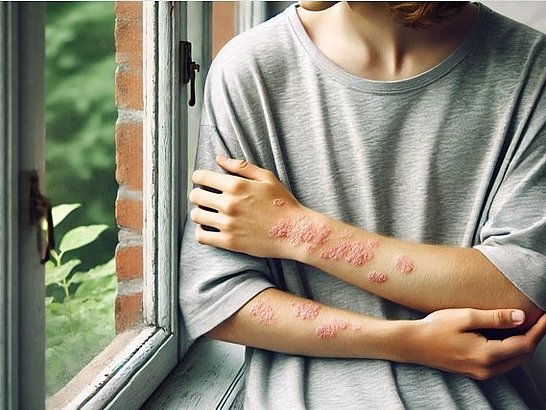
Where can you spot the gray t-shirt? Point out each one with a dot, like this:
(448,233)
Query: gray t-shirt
(454,156)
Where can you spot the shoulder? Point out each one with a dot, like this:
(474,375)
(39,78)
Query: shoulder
(510,36)
(260,51)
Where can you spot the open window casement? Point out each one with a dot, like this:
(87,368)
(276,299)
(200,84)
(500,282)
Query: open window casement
(136,362)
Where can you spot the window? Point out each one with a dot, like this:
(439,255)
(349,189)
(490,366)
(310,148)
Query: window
(135,363)
(131,369)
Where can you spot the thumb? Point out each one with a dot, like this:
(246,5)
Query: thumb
(496,319)
(240,167)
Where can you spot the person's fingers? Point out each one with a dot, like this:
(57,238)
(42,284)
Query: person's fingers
(516,346)
(203,198)
(494,319)
(217,181)
(538,330)
(206,235)
(206,218)
(495,369)
(244,168)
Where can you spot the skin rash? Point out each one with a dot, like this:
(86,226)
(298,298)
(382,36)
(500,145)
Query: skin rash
(301,230)
(403,263)
(306,310)
(330,329)
(263,312)
(355,253)
(377,277)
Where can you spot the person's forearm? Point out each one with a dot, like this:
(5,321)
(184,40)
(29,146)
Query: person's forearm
(447,339)
(419,276)
(280,322)
(255,214)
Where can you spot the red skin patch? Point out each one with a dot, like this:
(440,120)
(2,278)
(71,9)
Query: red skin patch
(372,243)
(263,312)
(355,253)
(403,263)
(306,310)
(326,331)
(377,277)
(278,202)
(301,230)
(330,329)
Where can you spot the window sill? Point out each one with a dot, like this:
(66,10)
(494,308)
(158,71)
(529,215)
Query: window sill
(112,375)
(211,375)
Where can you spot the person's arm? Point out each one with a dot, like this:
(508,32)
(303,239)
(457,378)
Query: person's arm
(258,216)
(446,339)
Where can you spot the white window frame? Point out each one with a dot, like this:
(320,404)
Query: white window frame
(154,352)
(21,275)
(147,353)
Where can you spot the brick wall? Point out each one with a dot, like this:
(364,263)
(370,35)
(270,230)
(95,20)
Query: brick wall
(129,100)
(129,135)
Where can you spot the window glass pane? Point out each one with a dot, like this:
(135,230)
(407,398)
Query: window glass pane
(80,117)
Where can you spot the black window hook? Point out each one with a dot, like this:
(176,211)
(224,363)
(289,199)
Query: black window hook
(188,67)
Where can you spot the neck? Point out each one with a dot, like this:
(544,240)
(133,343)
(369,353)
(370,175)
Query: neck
(364,39)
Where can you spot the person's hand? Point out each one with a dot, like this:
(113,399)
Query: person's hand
(241,209)
(450,340)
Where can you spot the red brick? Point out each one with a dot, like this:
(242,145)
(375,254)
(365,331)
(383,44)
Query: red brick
(128,311)
(129,10)
(129,155)
(129,45)
(129,214)
(129,90)
(129,262)
(223,24)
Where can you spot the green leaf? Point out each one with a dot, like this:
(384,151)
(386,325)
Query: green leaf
(97,288)
(80,236)
(109,268)
(49,300)
(60,212)
(56,274)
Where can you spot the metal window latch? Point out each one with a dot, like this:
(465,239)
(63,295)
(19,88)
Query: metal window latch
(188,67)
(40,215)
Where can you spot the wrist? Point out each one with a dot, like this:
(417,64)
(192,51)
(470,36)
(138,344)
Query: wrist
(401,340)
(297,233)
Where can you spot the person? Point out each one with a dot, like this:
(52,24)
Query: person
(369,207)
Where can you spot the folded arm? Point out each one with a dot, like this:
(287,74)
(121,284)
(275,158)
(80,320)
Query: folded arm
(445,340)
(253,213)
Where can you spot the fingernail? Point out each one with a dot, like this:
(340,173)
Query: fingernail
(518,316)
(221,158)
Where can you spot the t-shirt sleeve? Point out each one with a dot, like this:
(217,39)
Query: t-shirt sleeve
(215,283)
(514,236)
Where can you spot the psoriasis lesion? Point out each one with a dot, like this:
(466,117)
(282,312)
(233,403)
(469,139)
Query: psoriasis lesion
(377,276)
(301,230)
(306,310)
(330,329)
(263,312)
(355,253)
(403,263)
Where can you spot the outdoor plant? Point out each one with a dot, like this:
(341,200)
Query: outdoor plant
(79,304)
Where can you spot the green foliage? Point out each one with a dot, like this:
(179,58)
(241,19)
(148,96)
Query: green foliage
(79,304)
(81,115)
(80,168)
